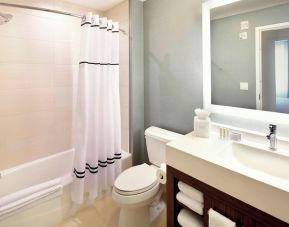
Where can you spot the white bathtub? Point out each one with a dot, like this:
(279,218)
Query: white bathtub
(45,213)
(42,170)
(36,172)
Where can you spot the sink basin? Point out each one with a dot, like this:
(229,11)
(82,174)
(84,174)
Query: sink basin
(274,163)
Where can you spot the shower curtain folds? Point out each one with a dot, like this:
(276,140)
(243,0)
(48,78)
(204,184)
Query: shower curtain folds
(97,133)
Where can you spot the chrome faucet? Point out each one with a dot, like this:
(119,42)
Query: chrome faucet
(272,137)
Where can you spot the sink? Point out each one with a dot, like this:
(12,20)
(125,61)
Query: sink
(274,163)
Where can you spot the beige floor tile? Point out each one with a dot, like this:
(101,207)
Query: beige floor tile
(161,220)
(103,213)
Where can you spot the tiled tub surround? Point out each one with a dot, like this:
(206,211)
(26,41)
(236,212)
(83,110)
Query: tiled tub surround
(38,75)
(38,71)
(198,158)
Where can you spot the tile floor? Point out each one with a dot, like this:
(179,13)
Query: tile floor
(103,213)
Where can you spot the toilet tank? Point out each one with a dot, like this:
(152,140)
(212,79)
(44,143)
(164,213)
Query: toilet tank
(156,140)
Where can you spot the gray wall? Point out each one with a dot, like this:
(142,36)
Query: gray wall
(233,60)
(172,63)
(170,88)
(136,82)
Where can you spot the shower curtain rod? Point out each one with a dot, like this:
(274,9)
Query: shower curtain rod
(48,10)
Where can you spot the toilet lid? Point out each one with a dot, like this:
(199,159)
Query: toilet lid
(136,179)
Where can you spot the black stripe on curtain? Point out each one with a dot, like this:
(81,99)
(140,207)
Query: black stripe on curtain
(96,63)
(94,169)
(85,23)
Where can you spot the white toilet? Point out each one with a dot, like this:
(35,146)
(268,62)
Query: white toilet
(137,188)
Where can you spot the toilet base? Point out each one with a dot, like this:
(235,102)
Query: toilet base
(139,210)
(140,216)
(156,209)
(132,217)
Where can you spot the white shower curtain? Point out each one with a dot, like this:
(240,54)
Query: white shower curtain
(97,133)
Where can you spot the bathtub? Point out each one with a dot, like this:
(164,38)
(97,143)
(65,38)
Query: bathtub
(36,172)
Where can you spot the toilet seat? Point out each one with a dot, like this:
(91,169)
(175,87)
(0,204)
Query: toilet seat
(136,180)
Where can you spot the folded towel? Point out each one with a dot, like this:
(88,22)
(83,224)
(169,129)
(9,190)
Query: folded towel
(191,192)
(16,196)
(188,219)
(190,203)
(218,220)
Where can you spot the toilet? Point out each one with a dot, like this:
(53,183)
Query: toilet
(137,188)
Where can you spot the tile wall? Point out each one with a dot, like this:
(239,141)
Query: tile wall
(38,69)
(38,75)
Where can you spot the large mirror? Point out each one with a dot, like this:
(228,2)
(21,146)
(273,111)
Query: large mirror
(249,54)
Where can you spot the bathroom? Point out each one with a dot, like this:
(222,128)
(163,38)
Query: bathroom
(177,127)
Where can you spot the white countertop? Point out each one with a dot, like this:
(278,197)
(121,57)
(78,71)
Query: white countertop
(198,157)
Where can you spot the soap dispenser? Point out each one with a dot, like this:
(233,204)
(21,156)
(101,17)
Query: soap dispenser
(202,123)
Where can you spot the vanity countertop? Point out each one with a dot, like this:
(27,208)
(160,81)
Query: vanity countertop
(201,159)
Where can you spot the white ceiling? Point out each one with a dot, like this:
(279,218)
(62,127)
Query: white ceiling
(101,5)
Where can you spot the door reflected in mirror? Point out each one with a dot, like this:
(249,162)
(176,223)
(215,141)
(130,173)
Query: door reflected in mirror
(249,55)
(274,71)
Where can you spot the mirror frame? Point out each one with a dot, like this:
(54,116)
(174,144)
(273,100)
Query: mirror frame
(267,116)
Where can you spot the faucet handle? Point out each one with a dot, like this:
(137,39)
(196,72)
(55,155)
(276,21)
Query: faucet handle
(272,127)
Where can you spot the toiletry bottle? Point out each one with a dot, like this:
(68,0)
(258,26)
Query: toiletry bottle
(202,123)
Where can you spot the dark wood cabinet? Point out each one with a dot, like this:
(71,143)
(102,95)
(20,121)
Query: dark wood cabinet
(243,214)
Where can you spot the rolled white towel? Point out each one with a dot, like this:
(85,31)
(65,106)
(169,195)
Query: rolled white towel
(218,220)
(191,192)
(162,174)
(16,196)
(190,203)
(187,219)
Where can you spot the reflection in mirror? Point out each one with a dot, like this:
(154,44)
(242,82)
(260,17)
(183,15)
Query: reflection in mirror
(249,55)
(274,57)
